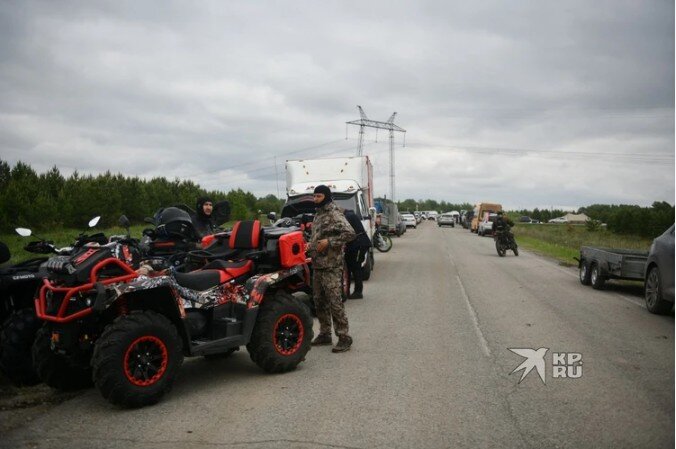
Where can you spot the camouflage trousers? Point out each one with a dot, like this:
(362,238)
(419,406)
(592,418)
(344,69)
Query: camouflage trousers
(326,288)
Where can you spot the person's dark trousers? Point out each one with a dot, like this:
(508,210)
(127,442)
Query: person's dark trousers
(353,260)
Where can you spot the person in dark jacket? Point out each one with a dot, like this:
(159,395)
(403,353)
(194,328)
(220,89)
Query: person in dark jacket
(355,253)
(204,222)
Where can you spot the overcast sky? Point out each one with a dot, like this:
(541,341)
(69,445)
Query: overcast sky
(527,103)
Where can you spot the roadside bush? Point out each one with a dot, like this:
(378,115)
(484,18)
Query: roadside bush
(592,225)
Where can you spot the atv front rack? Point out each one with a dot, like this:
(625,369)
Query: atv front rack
(68,293)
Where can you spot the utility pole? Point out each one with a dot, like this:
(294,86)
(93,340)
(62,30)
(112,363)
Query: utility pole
(388,125)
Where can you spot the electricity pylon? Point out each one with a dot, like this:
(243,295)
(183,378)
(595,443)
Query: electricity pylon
(388,125)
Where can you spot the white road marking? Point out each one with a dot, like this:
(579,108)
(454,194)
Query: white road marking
(482,340)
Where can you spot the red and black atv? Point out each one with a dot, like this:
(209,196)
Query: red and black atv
(128,330)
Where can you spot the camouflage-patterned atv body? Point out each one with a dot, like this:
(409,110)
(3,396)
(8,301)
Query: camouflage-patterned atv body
(128,330)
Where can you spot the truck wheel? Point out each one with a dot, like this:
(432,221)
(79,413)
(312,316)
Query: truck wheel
(597,280)
(282,334)
(585,273)
(16,340)
(57,370)
(136,359)
(654,300)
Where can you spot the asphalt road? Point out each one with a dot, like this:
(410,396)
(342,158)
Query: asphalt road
(430,368)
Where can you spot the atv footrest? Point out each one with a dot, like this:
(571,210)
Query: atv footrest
(200,347)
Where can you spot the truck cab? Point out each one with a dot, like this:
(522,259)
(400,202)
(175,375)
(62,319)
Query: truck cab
(351,182)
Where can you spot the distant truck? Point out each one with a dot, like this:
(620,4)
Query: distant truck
(481,212)
(351,182)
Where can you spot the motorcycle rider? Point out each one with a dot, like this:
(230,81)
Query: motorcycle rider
(503,224)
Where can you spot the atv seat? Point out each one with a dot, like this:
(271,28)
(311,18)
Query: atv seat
(213,274)
(245,235)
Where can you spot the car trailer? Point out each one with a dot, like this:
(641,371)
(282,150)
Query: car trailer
(597,265)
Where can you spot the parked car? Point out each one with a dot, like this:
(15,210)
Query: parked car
(446,220)
(659,274)
(525,219)
(432,215)
(409,220)
(486,226)
(558,220)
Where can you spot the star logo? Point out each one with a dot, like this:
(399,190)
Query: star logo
(534,359)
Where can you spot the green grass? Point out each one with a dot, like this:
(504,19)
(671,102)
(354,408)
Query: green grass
(563,242)
(60,237)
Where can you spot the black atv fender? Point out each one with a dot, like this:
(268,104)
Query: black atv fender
(257,286)
(159,294)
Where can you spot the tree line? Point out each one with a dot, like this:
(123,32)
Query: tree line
(50,199)
(625,219)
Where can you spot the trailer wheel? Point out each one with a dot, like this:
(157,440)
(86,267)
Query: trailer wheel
(597,280)
(585,273)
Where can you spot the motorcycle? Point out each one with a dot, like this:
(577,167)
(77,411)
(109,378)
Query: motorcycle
(504,241)
(18,284)
(382,242)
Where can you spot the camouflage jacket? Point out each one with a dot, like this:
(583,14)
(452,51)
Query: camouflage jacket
(329,223)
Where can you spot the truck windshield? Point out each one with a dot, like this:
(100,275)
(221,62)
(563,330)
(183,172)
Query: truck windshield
(303,204)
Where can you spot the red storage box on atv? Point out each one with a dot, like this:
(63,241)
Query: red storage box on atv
(291,249)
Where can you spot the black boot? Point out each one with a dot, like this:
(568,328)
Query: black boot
(344,344)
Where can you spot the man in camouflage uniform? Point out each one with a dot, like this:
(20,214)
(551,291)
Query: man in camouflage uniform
(330,232)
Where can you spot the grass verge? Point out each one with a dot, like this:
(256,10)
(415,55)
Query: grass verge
(563,242)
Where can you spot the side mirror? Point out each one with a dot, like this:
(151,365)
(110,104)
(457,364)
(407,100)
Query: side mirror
(221,212)
(124,222)
(272,216)
(24,232)
(94,221)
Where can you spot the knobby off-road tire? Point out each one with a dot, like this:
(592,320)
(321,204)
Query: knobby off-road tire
(516,250)
(585,273)
(57,370)
(596,279)
(500,248)
(385,244)
(16,341)
(654,301)
(136,359)
(282,334)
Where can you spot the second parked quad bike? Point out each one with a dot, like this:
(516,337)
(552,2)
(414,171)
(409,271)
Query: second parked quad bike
(18,284)
(128,330)
(504,241)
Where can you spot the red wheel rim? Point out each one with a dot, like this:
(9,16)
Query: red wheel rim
(145,361)
(287,334)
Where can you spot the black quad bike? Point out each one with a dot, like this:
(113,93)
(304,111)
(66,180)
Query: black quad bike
(504,241)
(18,285)
(129,329)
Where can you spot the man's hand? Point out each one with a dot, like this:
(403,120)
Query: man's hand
(322,245)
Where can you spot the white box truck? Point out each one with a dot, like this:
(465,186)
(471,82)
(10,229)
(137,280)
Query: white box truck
(350,180)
